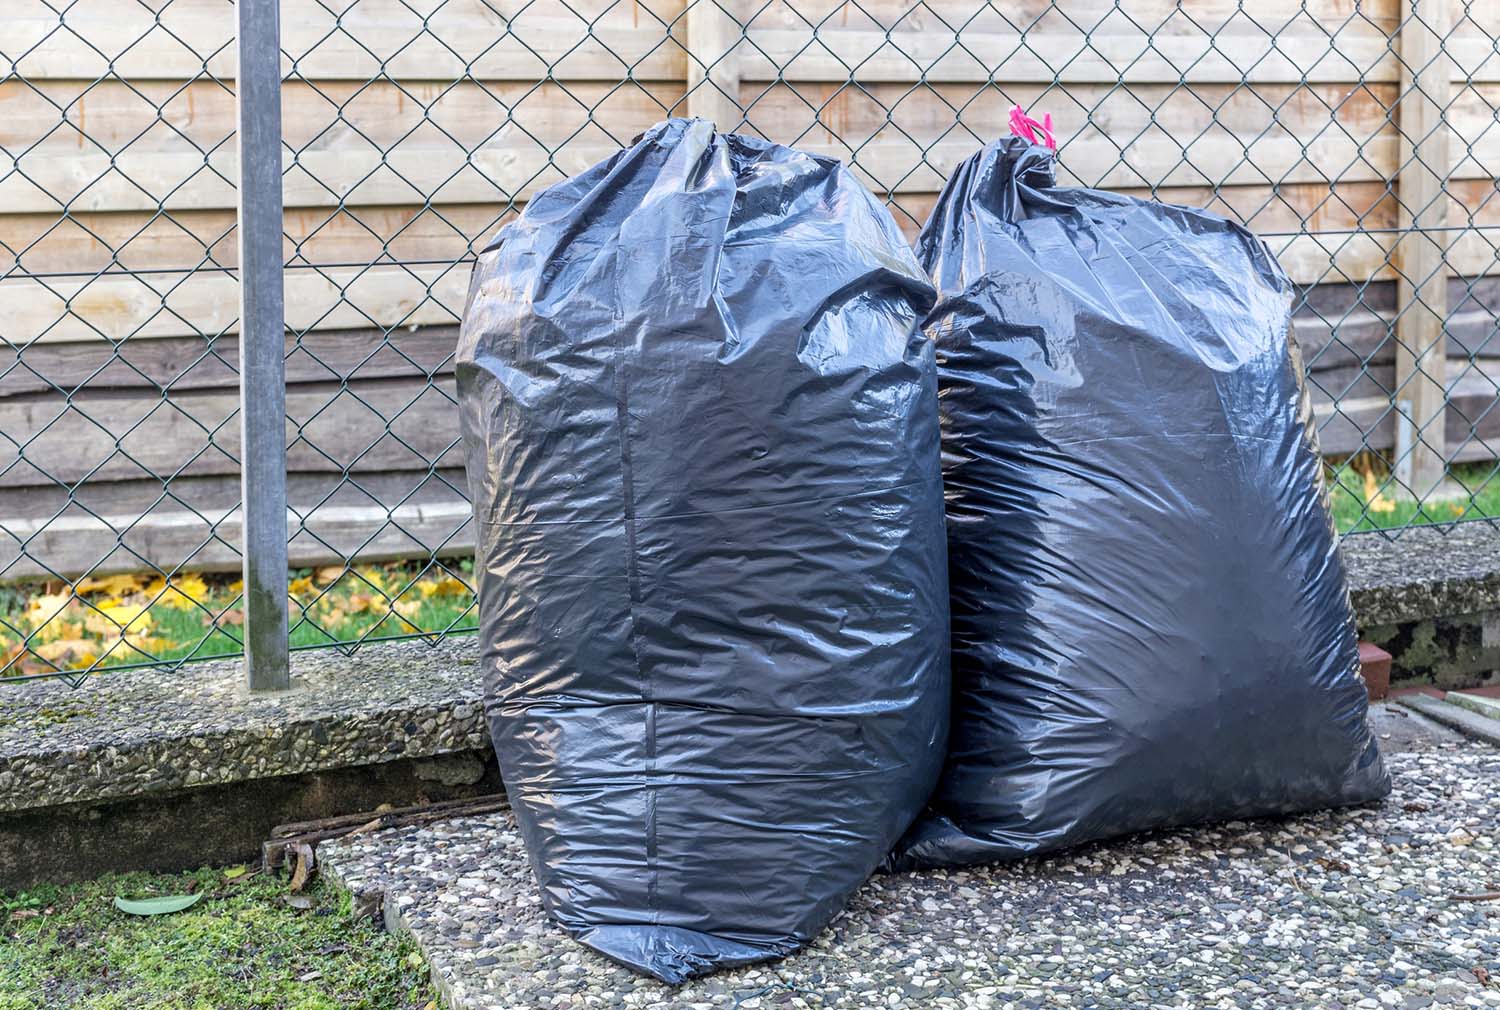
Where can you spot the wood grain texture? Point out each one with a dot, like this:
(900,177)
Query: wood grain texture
(1421,254)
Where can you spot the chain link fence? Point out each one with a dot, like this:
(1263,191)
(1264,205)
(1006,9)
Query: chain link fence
(1359,138)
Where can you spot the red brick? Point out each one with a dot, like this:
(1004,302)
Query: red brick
(1375,667)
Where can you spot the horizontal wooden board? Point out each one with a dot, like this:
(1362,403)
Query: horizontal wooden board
(175,365)
(220,492)
(75,545)
(385,144)
(410,39)
(1472,419)
(87,243)
(366,426)
(145,305)
(1138,41)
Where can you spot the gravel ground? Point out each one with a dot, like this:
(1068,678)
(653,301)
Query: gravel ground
(1348,908)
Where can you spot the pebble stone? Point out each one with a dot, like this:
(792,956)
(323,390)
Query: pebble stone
(1340,909)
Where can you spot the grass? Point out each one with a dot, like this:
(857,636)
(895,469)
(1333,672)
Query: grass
(241,946)
(1364,497)
(123,620)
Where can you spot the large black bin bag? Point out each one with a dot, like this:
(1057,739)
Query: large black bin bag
(1150,621)
(701,422)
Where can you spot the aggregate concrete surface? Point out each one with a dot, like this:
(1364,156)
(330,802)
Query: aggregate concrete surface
(1354,908)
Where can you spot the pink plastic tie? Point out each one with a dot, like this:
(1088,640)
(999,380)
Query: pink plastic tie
(1027,128)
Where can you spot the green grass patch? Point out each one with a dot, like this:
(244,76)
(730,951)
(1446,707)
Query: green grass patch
(242,945)
(1367,498)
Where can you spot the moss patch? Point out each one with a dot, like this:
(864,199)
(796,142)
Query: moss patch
(242,945)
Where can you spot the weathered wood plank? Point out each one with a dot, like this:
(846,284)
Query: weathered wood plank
(220,492)
(77,545)
(1422,278)
(1144,41)
(1471,420)
(386,144)
(147,305)
(714,37)
(179,364)
(517,40)
(367,426)
(95,242)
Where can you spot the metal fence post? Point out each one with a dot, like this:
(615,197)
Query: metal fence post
(262,343)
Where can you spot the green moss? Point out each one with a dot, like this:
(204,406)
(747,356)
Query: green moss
(242,946)
(1423,651)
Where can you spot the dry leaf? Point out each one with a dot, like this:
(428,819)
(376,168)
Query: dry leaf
(114,585)
(182,593)
(359,603)
(302,587)
(112,618)
(446,586)
(69,652)
(328,574)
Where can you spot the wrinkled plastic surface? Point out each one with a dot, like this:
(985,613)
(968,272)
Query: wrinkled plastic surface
(1151,625)
(701,423)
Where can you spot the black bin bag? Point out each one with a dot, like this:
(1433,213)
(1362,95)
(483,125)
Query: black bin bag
(702,440)
(1151,625)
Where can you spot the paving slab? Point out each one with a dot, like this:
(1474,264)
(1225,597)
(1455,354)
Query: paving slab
(1423,572)
(1456,716)
(1352,908)
(141,732)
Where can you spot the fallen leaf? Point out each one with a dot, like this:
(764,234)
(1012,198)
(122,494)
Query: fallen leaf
(301,902)
(48,616)
(1337,865)
(360,602)
(114,585)
(112,618)
(446,586)
(157,906)
(414,961)
(183,593)
(230,619)
(328,574)
(236,871)
(1482,973)
(375,577)
(302,587)
(69,652)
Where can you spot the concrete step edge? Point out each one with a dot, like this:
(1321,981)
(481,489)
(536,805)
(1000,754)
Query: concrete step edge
(1475,703)
(1470,724)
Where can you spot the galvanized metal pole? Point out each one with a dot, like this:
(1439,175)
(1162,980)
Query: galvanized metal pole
(262,336)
